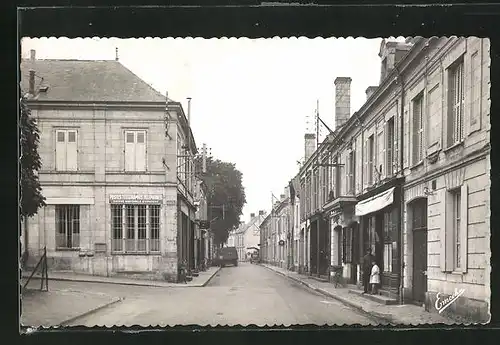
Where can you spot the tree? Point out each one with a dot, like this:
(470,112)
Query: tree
(225,197)
(30,162)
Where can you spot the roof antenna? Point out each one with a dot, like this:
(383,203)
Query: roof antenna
(116,53)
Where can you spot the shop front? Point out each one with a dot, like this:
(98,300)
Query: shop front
(379,211)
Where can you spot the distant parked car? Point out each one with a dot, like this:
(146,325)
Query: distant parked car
(227,255)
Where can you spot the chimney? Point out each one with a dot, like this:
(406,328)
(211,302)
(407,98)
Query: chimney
(252,216)
(310,144)
(391,53)
(282,197)
(342,100)
(32,54)
(261,213)
(370,90)
(32,83)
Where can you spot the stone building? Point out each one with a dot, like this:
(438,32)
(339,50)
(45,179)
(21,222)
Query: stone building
(275,231)
(408,175)
(246,238)
(117,171)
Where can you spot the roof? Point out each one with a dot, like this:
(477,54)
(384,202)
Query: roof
(87,81)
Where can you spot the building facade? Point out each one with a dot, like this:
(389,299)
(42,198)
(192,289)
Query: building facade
(408,176)
(117,171)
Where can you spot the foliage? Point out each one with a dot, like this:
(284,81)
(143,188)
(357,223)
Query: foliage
(29,135)
(225,197)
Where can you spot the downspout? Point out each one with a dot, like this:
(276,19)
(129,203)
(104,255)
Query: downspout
(402,198)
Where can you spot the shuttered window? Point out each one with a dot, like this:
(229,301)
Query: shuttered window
(390,156)
(66,150)
(453,236)
(370,159)
(456,103)
(417,129)
(135,150)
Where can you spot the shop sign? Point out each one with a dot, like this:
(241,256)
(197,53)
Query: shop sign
(135,199)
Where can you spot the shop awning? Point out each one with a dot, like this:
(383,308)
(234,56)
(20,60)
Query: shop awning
(375,203)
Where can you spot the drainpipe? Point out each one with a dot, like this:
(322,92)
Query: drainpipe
(401,152)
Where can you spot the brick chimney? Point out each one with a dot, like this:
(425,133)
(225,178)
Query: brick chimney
(32,54)
(261,213)
(31,89)
(342,100)
(252,216)
(310,145)
(370,90)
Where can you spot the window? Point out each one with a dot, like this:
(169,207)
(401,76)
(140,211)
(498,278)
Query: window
(453,255)
(352,172)
(68,226)
(66,150)
(389,170)
(135,150)
(455,103)
(338,178)
(456,197)
(370,160)
(324,182)
(418,129)
(135,228)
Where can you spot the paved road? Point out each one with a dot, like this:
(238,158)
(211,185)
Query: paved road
(247,294)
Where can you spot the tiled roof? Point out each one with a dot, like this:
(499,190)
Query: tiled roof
(87,81)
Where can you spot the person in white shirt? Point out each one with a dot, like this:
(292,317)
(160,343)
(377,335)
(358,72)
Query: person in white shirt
(375,278)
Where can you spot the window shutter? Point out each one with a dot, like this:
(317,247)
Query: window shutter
(442,235)
(383,162)
(347,173)
(365,164)
(61,150)
(475,104)
(461,101)
(140,151)
(129,151)
(397,139)
(421,130)
(415,132)
(72,151)
(464,226)
(406,140)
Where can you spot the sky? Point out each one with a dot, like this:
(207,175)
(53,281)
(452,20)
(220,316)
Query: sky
(252,99)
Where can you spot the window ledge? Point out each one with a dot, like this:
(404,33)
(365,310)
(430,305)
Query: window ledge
(454,146)
(137,253)
(62,249)
(135,172)
(72,172)
(458,273)
(417,165)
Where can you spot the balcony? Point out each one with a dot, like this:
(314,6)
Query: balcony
(339,202)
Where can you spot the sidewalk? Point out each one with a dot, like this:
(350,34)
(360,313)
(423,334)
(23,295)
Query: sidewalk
(200,281)
(407,314)
(60,307)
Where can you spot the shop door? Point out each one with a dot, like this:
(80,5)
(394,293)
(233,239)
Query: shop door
(419,225)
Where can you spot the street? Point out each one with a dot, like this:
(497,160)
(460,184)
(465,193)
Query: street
(247,294)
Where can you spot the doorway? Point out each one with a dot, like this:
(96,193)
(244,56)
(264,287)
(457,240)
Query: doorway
(419,230)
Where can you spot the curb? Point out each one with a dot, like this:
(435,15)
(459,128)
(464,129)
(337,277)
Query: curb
(386,318)
(138,283)
(66,322)
(210,278)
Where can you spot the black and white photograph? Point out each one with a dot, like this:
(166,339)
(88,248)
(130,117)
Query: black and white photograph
(239,181)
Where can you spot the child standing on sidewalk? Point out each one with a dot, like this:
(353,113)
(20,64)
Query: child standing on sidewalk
(375,278)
